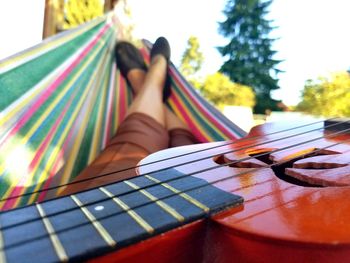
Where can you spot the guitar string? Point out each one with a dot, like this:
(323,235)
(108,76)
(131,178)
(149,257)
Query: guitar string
(180,192)
(182,155)
(244,159)
(174,166)
(158,199)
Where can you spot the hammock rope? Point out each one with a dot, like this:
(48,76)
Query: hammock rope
(62,100)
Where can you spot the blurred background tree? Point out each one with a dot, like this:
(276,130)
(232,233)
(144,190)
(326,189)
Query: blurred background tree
(128,23)
(327,96)
(249,55)
(77,12)
(191,61)
(217,88)
(64,14)
(221,91)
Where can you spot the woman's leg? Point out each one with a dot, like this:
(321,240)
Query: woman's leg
(149,99)
(141,133)
(173,122)
(145,130)
(179,133)
(136,78)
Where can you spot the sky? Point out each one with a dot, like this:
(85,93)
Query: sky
(22,27)
(313,34)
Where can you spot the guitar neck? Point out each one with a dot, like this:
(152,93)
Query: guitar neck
(101,220)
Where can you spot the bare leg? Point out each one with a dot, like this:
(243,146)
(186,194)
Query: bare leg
(149,99)
(179,132)
(173,122)
(136,78)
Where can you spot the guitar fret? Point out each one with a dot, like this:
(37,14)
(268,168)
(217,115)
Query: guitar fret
(100,229)
(130,212)
(163,205)
(60,251)
(183,195)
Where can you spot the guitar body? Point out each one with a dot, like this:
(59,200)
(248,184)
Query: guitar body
(295,185)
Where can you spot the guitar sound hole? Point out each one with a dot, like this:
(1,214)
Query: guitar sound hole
(263,156)
(279,170)
(280,173)
(219,159)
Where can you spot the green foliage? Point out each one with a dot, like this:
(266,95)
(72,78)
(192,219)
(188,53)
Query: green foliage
(327,96)
(192,59)
(249,54)
(220,90)
(77,12)
(266,104)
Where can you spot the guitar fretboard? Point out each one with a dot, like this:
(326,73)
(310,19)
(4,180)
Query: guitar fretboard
(101,220)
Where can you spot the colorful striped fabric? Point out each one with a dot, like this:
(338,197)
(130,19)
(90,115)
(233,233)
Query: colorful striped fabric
(61,102)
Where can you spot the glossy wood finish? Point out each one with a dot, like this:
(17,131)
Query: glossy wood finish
(279,219)
(179,245)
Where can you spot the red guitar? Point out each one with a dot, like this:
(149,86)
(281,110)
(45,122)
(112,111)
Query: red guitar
(280,194)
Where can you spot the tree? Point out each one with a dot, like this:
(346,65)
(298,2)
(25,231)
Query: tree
(220,90)
(249,53)
(327,96)
(77,12)
(192,60)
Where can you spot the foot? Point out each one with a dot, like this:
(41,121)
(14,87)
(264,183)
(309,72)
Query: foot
(131,64)
(128,57)
(162,48)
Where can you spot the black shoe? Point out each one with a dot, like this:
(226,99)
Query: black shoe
(162,47)
(128,57)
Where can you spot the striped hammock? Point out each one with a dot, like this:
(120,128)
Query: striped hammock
(62,100)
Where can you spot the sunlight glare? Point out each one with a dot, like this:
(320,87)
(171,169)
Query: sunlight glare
(17,163)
